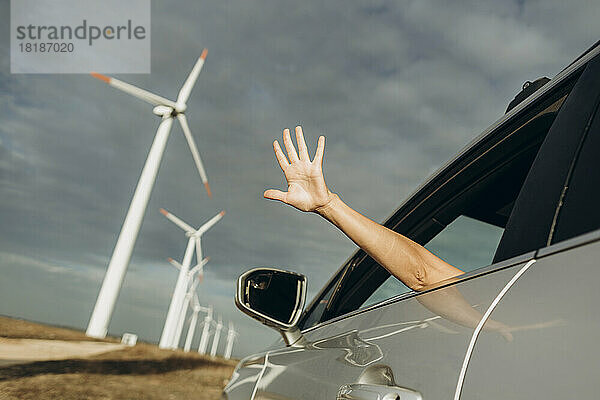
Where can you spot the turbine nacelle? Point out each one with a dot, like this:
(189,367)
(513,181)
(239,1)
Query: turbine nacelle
(162,111)
(192,232)
(180,107)
(188,229)
(166,108)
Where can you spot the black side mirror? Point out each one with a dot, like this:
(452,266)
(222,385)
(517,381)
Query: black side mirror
(275,298)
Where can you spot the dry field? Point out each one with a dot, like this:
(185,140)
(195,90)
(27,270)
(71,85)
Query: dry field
(140,372)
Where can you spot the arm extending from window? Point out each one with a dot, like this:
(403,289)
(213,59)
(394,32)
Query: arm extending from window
(408,261)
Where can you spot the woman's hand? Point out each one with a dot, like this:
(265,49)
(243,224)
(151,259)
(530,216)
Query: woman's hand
(306,186)
(408,261)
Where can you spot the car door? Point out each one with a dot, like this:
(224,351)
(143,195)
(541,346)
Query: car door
(554,315)
(242,383)
(413,345)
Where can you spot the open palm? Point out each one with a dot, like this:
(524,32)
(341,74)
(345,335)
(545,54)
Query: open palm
(306,186)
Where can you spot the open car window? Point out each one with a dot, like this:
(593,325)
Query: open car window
(466,243)
(459,215)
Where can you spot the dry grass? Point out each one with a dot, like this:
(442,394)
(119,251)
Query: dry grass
(20,329)
(140,372)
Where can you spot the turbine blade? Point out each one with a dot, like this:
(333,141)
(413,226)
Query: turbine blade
(211,222)
(135,91)
(186,89)
(174,263)
(199,268)
(207,187)
(195,269)
(194,285)
(192,144)
(177,221)
(198,251)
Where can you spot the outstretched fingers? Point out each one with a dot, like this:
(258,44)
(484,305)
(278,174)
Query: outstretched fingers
(289,146)
(320,150)
(283,162)
(274,194)
(302,150)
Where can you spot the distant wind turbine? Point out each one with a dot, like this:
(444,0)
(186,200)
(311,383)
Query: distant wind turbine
(231,335)
(198,271)
(196,308)
(208,319)
(215,343)
(167,110)
(167,339)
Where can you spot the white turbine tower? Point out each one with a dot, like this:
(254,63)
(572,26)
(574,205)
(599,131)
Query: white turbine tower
(206,331)
(167,339)
(199,271)
(215,343)
(231,335)
(193,322)
(166,109)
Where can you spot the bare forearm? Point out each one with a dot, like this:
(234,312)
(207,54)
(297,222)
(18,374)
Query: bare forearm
(408,261)
(307,191)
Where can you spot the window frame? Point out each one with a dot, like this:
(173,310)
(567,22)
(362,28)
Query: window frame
(408,212)
(434,211)
(576,213)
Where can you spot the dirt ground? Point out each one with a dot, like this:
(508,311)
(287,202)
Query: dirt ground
(139,372)
(46,349)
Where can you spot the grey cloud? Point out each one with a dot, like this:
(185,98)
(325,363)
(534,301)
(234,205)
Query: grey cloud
(397,88)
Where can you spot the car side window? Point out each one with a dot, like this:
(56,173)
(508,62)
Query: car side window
(466,243)
(315,311)
(461,213)
(540,216)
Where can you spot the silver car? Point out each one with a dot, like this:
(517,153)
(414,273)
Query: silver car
(518,210)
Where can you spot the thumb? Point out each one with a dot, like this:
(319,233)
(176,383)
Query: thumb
(275,195)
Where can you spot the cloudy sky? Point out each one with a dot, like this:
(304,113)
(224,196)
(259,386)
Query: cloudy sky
(396,87)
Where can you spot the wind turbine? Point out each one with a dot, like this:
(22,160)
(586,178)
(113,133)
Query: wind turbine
(198,269)
(193,322)
(215,343)
(205,331)
(167,110)
(231,335)
(167,339)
